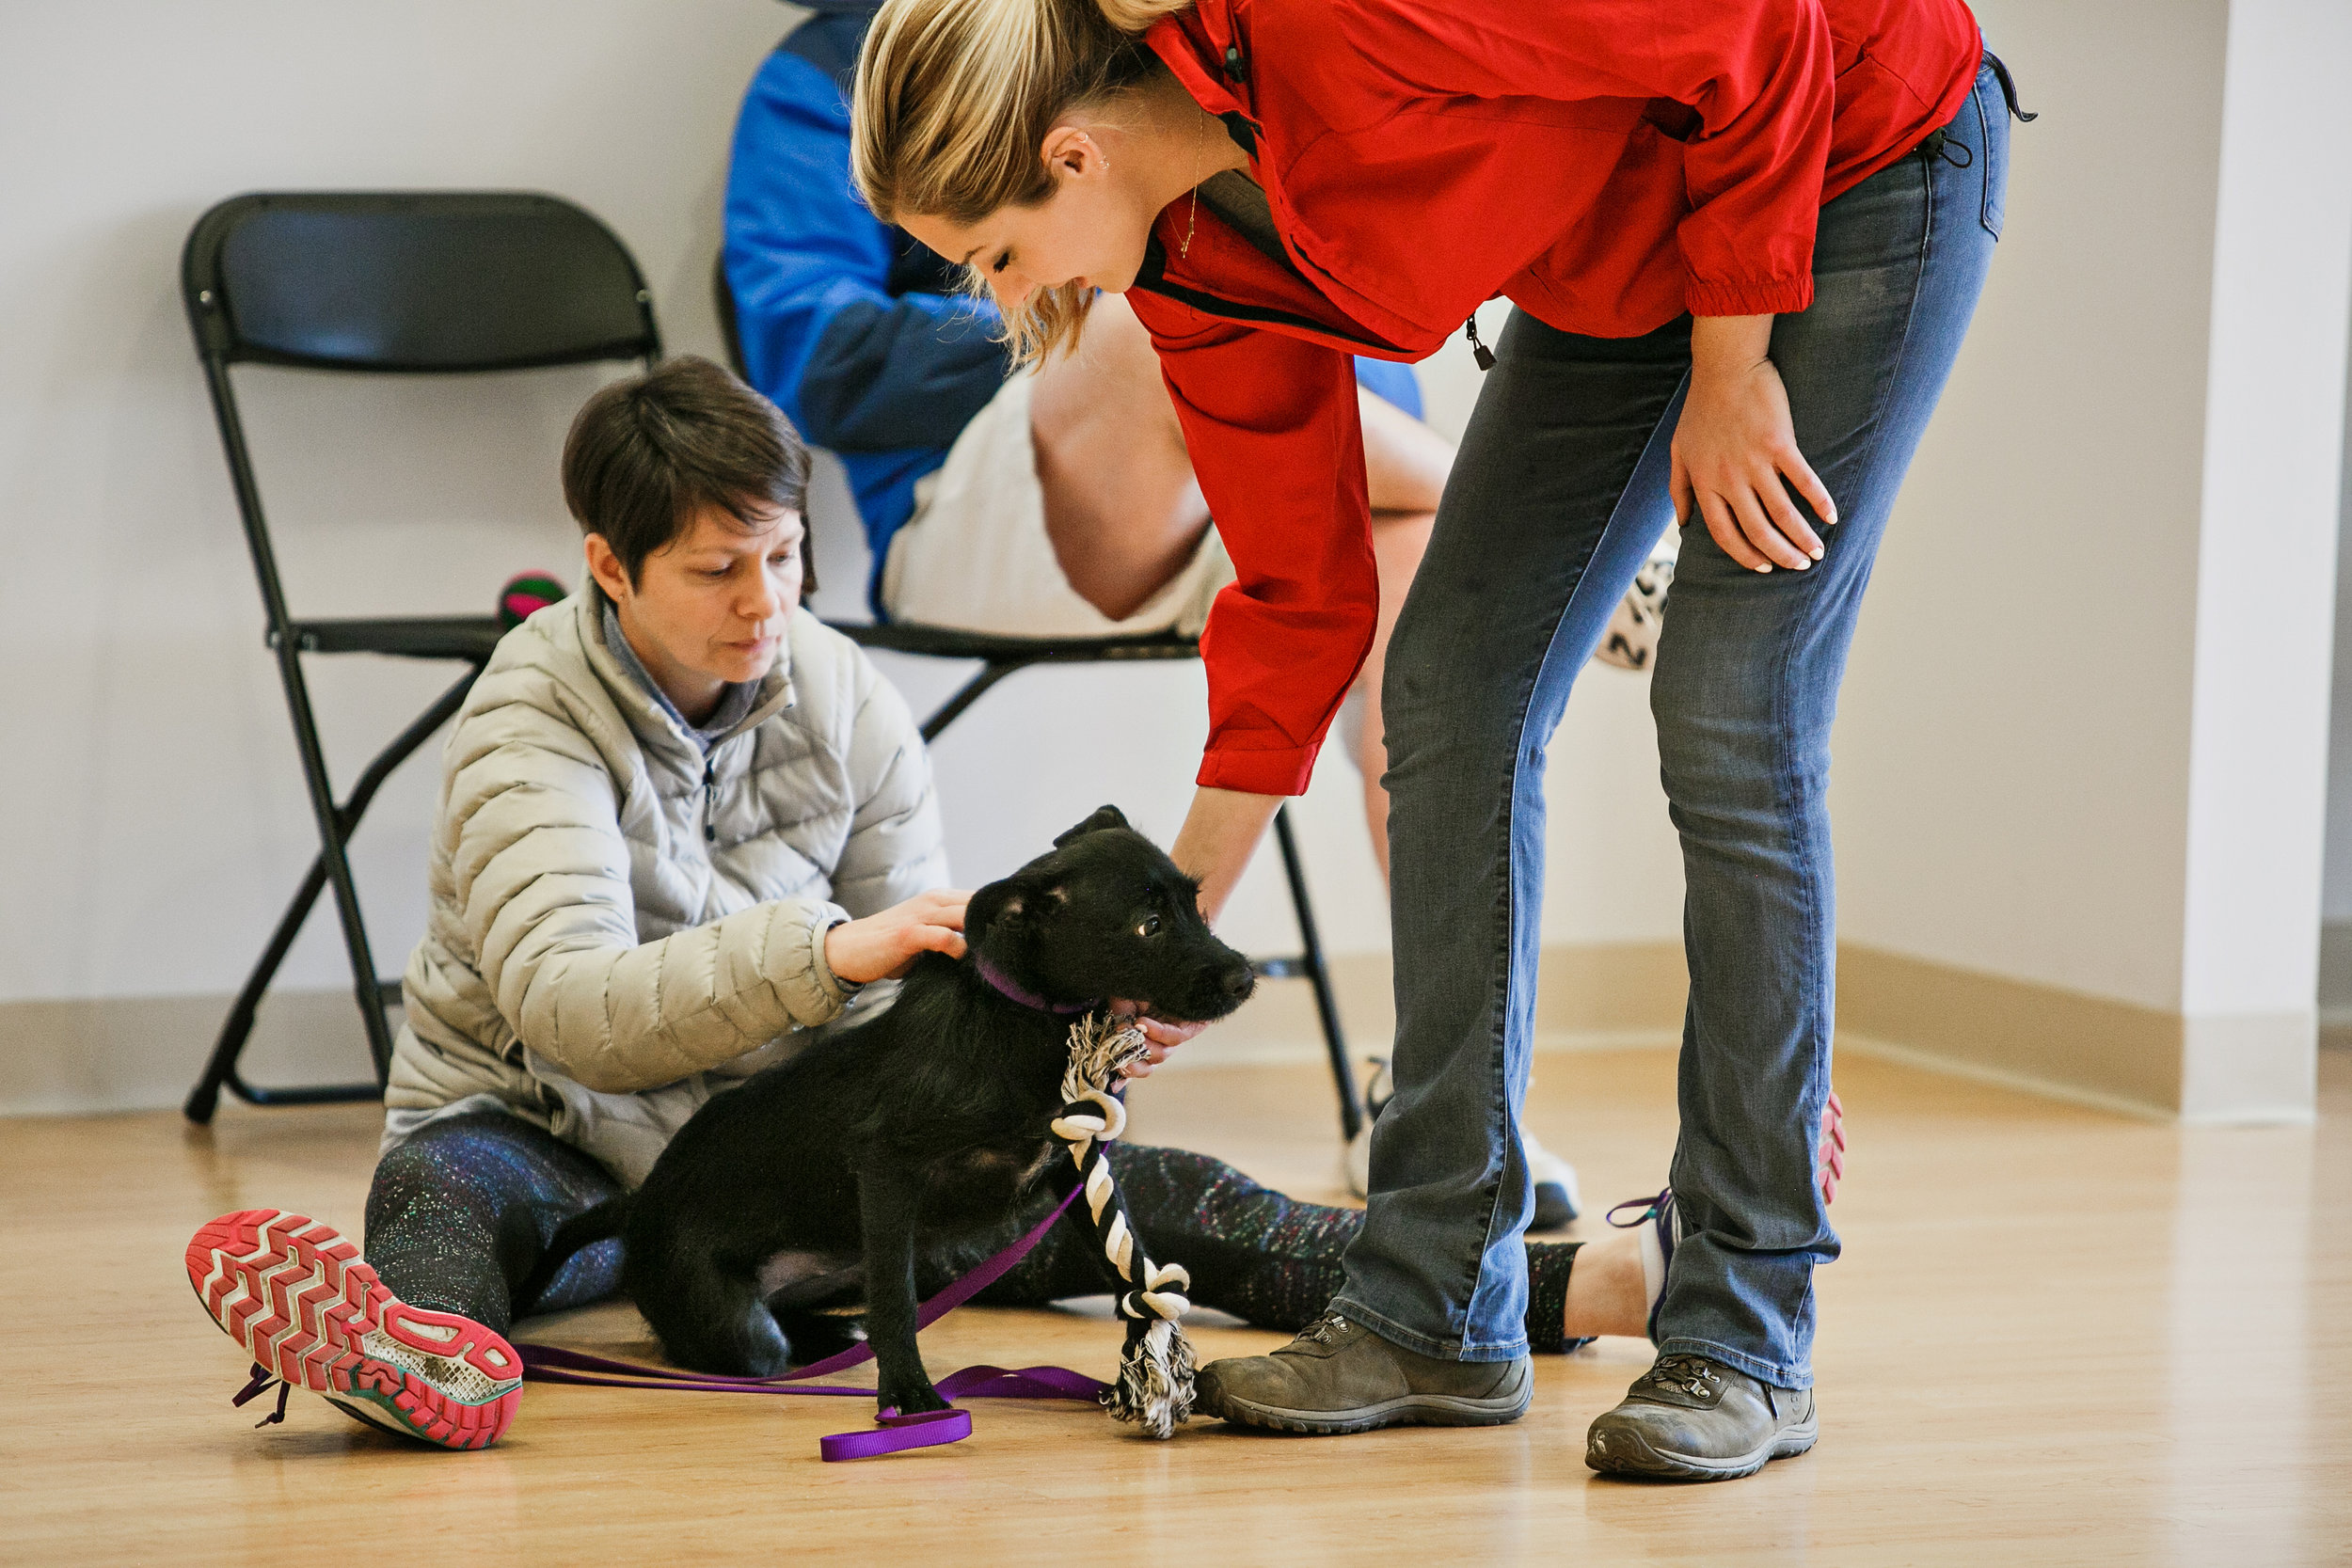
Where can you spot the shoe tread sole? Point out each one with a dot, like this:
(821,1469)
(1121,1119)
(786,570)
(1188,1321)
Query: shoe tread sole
(295,1295)
(1406,1409)
(1627,1453)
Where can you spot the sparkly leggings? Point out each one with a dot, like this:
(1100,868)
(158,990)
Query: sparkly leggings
(457,1216)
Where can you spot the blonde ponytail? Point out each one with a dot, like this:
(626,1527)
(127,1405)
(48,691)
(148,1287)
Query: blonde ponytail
(951,106)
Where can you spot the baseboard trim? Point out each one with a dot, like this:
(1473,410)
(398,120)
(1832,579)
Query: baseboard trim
(1598,996)
(144,1053)
(83,1058)
(1850,1042)
(2248,1070)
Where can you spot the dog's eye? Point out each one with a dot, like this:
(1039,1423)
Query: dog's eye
(1150,927)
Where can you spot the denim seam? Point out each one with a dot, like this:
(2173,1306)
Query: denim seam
(1821,1005)
(1514,978)
(1507,945)
(1345,1305)
(1776,1374)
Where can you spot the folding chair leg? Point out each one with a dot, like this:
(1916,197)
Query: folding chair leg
(969,692)
(1311,963)
(221,1070)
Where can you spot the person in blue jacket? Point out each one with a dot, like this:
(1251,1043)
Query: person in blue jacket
(1052,503)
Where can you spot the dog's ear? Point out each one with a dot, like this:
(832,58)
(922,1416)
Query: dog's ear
(996,905)
(1009,902)
(1104,816)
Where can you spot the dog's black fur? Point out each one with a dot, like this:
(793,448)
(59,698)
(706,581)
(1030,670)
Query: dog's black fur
(904,1133)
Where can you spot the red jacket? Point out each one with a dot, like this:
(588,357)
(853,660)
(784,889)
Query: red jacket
(1607,165)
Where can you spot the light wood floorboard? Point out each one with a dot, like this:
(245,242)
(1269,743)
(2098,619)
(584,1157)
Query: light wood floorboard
(2056,1336)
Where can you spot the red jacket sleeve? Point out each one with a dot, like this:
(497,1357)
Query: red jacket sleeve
(1272,425)
(1755,76)
(1761,78)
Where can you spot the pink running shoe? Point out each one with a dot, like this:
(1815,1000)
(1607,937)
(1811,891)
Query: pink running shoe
(295,1295)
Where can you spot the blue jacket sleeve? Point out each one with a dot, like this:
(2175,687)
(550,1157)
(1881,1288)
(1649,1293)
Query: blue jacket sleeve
(855,366)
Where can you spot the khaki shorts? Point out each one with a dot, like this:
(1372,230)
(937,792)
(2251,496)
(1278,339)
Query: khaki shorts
(975,555)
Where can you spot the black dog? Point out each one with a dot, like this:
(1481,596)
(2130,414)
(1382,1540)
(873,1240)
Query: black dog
(892,1140)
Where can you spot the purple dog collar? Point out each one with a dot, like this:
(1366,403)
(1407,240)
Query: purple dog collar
(1006,987)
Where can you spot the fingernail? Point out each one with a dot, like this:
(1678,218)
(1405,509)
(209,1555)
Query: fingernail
(1764,566)
(1817,552)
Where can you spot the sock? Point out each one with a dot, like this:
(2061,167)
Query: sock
(1549,1266)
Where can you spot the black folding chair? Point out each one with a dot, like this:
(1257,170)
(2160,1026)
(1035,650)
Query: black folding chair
(999,656)
(376,282)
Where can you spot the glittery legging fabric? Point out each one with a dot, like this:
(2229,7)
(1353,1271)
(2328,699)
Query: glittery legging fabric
(457,1216)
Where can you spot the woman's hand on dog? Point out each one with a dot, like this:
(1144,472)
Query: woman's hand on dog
(1160,1036)
(884,946)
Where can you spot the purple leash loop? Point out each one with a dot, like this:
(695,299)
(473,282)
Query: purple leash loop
(893,1432)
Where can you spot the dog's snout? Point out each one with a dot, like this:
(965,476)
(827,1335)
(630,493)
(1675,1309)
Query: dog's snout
(1238,981)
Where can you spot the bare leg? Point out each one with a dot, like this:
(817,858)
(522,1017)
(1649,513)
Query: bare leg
(1122,507)
(1405,464)
(1606,1294)
(1398,541)
(1124,514)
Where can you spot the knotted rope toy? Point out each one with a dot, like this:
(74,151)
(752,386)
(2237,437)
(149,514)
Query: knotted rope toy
(1154,1387)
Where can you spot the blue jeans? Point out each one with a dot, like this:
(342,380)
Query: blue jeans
(1556,498)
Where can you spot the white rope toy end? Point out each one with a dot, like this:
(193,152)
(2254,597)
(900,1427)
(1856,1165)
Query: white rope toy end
(1154,1388)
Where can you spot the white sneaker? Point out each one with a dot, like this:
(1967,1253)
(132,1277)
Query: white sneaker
(1558,1200)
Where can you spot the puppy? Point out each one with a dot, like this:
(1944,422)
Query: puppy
(890,1142)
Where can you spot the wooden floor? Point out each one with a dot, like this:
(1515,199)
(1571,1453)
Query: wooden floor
(2057,1336)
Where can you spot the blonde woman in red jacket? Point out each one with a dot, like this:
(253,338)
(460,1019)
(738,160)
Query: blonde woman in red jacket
(1743,241)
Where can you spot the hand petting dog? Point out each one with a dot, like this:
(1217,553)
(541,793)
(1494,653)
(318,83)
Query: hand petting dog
(884,946)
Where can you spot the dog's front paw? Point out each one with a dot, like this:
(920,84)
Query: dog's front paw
(911,1397)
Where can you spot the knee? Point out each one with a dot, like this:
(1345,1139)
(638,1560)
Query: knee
(1737,766)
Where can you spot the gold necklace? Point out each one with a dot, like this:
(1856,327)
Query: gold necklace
(1194,215)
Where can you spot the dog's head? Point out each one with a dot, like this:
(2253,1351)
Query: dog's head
(1108,914)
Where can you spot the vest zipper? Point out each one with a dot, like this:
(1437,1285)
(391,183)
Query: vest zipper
(710,801)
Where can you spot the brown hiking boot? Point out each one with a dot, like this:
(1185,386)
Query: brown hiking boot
(1338,1376)
(1693,1419)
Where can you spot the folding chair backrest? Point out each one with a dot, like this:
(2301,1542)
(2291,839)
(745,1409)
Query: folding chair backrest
(429,281)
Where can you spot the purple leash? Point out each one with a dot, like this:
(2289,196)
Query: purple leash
(893,1432)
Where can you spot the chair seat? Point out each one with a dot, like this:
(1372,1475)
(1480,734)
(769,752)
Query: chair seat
(951,642)
(470,637)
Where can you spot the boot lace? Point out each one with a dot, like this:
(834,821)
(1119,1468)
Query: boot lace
(1323,1330)
(1693,1375)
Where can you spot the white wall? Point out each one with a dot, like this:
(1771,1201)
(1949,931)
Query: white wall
(2083,742)
(2274,446)
(2010,788)
(153,814)
(2336,896)
(2019,760)
(154,811)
